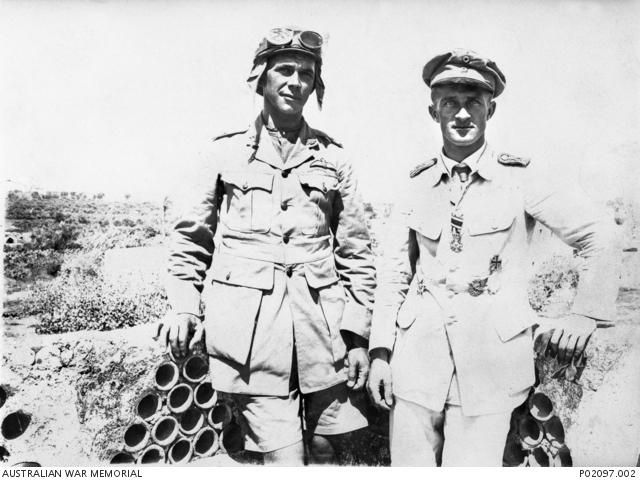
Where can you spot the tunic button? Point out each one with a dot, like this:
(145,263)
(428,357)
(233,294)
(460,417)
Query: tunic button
(285,238)
(283,205)
(285,173)
(228,276)
(289,271)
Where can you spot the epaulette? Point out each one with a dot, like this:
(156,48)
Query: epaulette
(512,160)
(326,139)
(229,134)
(422,166)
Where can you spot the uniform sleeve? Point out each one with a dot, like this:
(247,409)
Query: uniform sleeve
(398,266)
(580,223)
(191,245)
(353,255)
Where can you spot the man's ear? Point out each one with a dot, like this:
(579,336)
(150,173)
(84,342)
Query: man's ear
(434,113)
(492,109)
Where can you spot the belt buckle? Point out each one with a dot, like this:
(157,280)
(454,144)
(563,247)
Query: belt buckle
(288,269)
(477,287)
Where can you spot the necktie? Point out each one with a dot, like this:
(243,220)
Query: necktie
(460,176)
(462,170)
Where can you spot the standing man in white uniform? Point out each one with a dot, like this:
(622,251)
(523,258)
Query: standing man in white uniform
(451,311)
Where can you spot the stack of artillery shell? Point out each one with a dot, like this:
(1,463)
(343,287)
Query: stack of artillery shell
(180,418)
(536,437)
(13,425)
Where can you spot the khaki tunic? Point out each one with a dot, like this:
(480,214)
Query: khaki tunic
(292,262)
(425,310)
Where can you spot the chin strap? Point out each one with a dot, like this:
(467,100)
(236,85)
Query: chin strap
(319,86)
(255,74)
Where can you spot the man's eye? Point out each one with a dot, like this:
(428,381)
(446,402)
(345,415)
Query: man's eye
(286,71)
(449,103)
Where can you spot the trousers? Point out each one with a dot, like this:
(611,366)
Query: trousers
(423,437)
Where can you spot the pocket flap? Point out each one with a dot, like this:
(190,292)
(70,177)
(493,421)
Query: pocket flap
(490,222)
(239,271)
(321,273)
(406,315)
(430,227)
(508,328)
(323,183)
(230,319)
(409,309)
(248,180)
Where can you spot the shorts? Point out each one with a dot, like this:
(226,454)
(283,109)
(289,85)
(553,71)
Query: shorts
(274,422)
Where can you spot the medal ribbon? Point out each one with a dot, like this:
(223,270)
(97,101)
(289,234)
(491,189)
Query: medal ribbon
(457,219)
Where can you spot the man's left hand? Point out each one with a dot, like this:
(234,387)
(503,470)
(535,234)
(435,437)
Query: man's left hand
(569,336)
(358,365)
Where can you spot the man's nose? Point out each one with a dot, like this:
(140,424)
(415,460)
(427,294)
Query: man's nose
(463,115)
(294,80)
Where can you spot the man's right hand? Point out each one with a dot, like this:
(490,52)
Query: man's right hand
(379,383)
(180,330)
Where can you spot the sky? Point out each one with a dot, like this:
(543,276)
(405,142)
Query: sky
(120,96)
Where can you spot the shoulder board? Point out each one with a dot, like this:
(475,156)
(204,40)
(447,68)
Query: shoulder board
(229,134)
(512,160)
(326,139)
(422,166)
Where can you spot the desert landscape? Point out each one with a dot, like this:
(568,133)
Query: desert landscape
(82,381)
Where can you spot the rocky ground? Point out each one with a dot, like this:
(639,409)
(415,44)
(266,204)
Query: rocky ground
(79,388)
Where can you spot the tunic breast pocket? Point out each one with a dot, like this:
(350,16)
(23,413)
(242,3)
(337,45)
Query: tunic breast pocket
(248,202)
(318,191)
(490,230)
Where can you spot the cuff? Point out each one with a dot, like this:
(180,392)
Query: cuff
(357,319)
(383,329)
(599,283)
(597,302)
(583,310)
(183,296)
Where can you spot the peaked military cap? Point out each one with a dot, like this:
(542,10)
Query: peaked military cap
(464,66)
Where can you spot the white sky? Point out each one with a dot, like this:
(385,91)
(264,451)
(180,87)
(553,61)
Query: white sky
(119,96)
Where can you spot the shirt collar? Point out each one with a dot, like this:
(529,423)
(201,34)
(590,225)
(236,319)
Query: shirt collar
(472,160)
(262,147)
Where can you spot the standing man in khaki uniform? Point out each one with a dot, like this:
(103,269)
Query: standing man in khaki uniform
(289,292)
(451,309)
